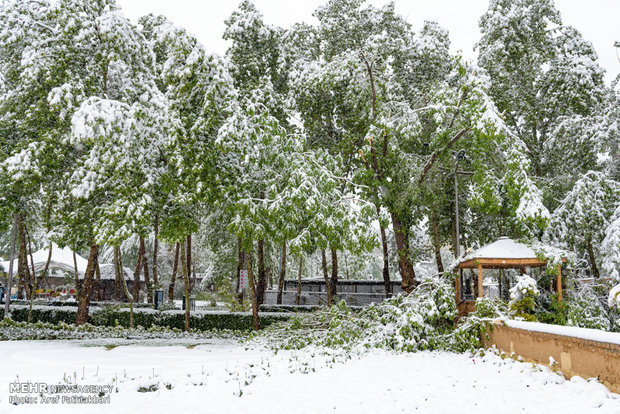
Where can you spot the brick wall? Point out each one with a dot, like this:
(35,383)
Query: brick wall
(573,356)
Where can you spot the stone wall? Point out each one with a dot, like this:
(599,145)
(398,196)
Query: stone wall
(572,355)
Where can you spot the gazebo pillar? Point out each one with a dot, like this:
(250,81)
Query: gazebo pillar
(480,287)
(559,282)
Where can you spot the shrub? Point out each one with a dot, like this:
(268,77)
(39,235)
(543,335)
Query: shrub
(147,318)
(586,310)
(522,294)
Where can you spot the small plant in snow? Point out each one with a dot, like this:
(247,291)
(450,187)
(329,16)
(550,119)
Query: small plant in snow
(522,296)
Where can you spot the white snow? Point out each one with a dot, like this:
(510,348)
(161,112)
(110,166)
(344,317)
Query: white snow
(584,333)
(525,286)
(503,248)
(224,377)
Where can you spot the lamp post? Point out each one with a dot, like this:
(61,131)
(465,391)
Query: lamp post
(459,156)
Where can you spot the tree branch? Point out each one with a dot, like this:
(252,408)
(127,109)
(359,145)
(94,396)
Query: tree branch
(435,154)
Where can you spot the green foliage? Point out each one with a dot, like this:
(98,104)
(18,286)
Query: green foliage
(523,309)
(586,310)
(554,312)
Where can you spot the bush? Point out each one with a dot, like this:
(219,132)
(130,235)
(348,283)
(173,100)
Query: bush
(553,311)
(147,318)
(522,295)
(14,330)
(586,310)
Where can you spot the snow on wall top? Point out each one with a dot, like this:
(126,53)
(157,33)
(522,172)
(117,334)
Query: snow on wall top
(582,333)
(503,248)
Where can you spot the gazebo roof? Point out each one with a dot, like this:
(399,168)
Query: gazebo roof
(61,259)
(502,253)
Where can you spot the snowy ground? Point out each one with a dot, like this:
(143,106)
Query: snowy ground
(223,377)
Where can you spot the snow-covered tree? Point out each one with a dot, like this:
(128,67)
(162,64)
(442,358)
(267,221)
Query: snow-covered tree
(610,247)
(540,70)
(584,215)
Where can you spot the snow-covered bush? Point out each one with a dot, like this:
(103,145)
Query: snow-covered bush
(522,296)
(585,309)
(525,287)
(549,309)
(114,316)
(11,330)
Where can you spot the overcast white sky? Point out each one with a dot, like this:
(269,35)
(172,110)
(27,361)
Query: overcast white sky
(598,20)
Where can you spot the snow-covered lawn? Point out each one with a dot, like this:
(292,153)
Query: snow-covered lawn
(224,377)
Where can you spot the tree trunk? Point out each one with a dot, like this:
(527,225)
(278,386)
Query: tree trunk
(118,263)
(255,320)
(592,258)
(119,277)
(175,269)
(282,273)
(404,261)
(262,277)
(334,272)
(301,263)
(145,265)
(87,286)
(185,271)
(37,281)
(97,283)
(76,274)
(155,251)
(189,254)
(23,273)
(386,263)
(328,287)
(136,275)
(240,267)
(436,244)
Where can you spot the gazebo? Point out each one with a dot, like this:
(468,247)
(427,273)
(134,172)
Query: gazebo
(504,253)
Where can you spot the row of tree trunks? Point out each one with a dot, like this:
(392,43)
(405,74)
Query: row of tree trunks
(87,285)
(405,265)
